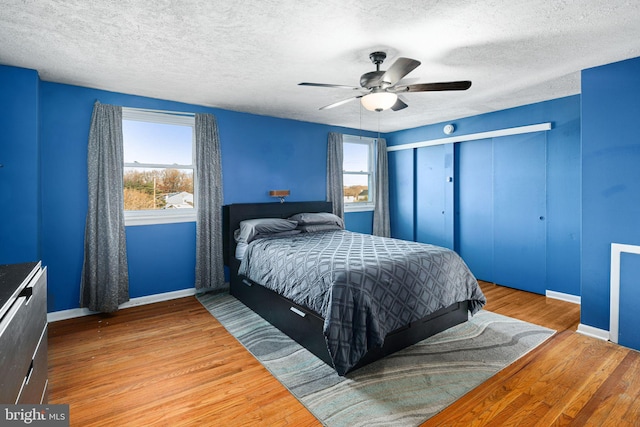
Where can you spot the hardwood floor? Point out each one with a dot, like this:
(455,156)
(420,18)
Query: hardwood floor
(173,364)
(571,379)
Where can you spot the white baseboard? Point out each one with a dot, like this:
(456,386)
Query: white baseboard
(564,297)
(590,331)
(150,299)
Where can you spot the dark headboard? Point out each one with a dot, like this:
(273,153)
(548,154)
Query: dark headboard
(234,213)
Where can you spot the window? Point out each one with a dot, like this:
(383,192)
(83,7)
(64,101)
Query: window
(159,167)
(358,172)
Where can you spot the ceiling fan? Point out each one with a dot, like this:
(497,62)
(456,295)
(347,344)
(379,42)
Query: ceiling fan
(380,89)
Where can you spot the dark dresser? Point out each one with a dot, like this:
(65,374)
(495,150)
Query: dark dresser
(23,333)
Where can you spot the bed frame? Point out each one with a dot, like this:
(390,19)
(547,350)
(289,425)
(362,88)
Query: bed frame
(300,323)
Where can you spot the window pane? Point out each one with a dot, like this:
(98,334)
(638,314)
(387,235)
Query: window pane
(355,157)
(356,188)
(157,143)
(157,188)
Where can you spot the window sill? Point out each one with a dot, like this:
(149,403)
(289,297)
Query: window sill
(362,208)
(153,218)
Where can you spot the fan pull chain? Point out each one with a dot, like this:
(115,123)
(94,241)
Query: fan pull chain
(361,131)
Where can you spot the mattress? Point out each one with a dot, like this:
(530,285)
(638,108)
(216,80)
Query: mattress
(363,286)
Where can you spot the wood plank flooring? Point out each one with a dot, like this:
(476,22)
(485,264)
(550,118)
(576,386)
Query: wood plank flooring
(173,364)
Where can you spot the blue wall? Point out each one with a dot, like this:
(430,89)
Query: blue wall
(610,179)
(19,173)
(259,153)
(562,170)
(359,222)
(628,314)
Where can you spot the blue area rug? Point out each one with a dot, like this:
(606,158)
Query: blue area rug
(403,389)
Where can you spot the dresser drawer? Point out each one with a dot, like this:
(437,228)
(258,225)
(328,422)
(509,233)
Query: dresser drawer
(20,332)
(35,382)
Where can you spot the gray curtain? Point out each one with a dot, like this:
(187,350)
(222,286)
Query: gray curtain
(209,259)
(335,189)
(381,222)
(105,273)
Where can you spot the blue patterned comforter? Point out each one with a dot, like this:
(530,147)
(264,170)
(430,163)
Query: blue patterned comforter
(363,286)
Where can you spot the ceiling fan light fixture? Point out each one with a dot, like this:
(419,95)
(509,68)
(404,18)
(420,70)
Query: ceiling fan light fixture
(379,101)
(383,86)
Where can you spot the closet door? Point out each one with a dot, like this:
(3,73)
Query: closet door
(401,189)
(474,206)
(519,211)
(434,195)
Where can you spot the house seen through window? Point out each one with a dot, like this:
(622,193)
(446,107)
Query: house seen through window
(358,172)
(159,167)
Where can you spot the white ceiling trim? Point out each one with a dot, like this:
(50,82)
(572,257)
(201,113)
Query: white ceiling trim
(474,136)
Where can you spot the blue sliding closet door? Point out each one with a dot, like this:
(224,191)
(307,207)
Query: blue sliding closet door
(434,195)
(519,211)
(401,190)
(474,206)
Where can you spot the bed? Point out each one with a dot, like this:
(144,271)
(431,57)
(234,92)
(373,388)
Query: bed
(370,324)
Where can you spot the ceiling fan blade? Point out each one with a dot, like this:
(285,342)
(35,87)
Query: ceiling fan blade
(337,104)
(408,81)
(398,70)
(327,85)
(399,105)
(432,87)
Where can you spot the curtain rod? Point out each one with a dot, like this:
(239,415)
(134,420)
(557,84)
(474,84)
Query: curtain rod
(173,113)
(474,136)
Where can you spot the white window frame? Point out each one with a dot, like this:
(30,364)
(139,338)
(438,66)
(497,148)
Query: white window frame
(372,143)
(163,216)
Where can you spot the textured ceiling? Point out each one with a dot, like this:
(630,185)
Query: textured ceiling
(249,56)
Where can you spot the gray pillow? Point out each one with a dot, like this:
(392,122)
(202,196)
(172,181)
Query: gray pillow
(250,228)
(280,234)
(310,228)
(317,219)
